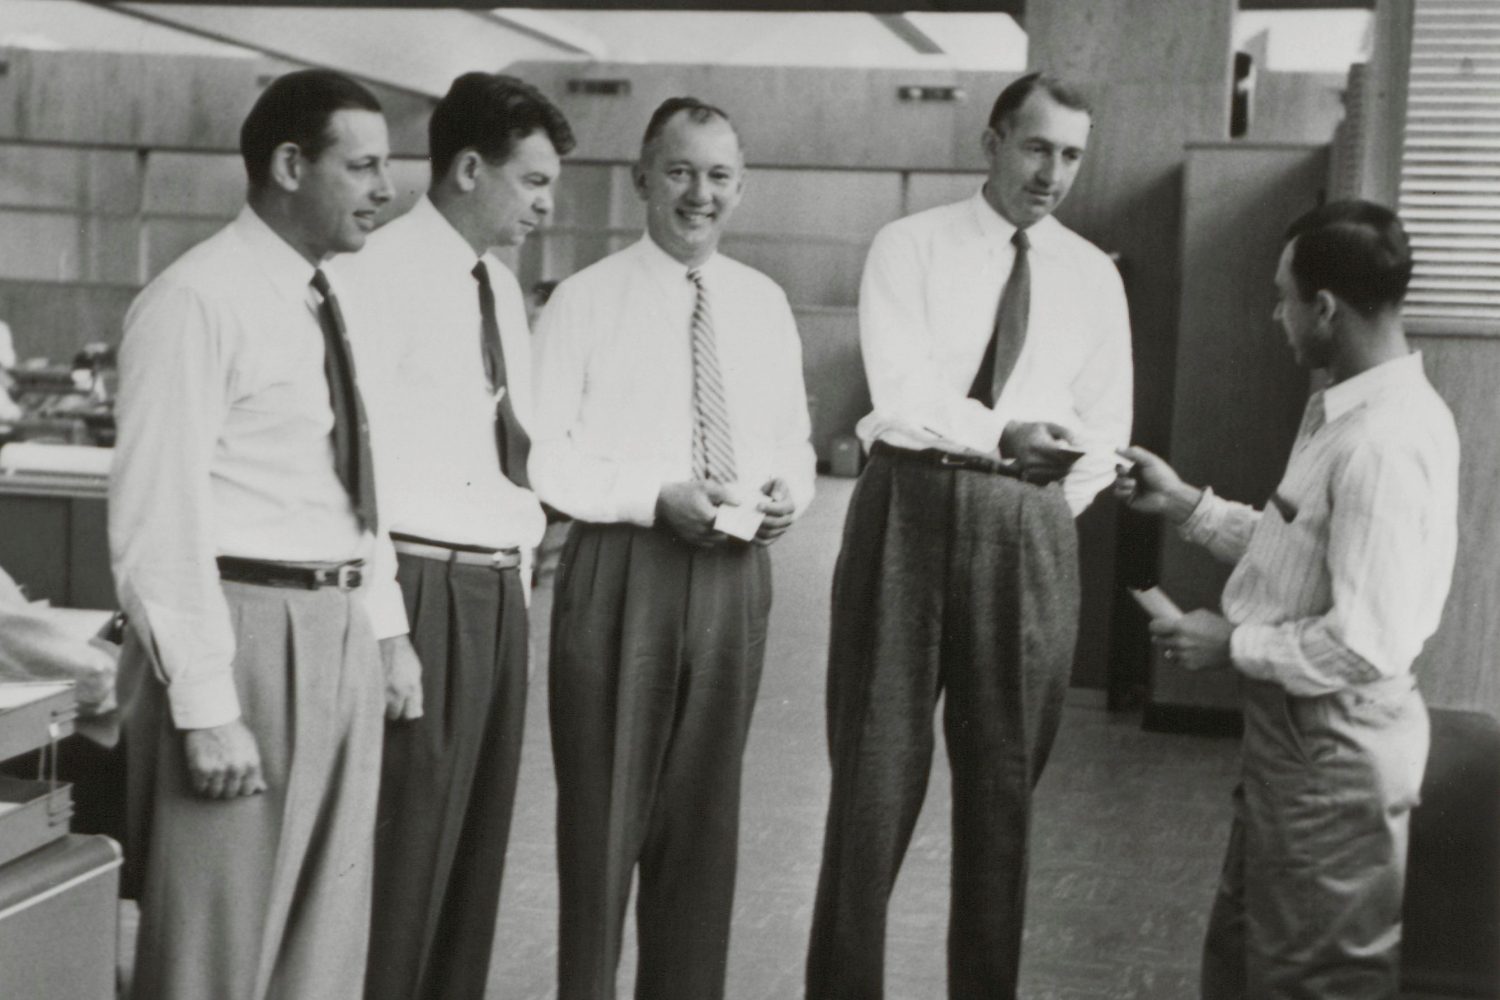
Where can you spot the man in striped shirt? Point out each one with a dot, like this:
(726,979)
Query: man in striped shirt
(1337,584)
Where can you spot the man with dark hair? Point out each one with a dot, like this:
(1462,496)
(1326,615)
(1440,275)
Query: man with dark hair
(997,347)
(1336,586)
(443,324)
(242,506)
(672,425)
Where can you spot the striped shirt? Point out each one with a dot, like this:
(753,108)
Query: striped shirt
(1344,575)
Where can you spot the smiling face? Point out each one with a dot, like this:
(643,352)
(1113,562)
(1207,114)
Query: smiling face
(1034,156)
(691,177)
(512,198)
(336,198)
(1311,338)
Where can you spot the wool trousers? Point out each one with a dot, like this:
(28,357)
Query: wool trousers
(657,649)
(448,784)
(265,897)
(1309,902)
(963,584)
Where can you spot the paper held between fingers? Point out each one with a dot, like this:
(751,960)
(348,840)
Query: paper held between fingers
(1156,604)
(739,521)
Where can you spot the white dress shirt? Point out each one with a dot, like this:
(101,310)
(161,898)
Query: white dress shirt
(413,313)
(614,414)
(927,305)
(224,448)
(1344,575)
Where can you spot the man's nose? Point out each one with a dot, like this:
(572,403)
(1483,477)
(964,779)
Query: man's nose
(384,189)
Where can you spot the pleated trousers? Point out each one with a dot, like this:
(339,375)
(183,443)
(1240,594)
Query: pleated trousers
(1309,901)
(657,649)
(448,784)
(964,584)
(265,897)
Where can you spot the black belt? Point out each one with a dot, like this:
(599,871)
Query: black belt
(950,459)
(345,576)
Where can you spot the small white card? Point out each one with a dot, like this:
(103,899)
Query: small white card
(1156,604)
(739,521)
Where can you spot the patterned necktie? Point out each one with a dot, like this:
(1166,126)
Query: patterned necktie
(1010,327)
(511,439)
(713,448)
(351,431)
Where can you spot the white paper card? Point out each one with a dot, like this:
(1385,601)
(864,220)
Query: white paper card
(737,521)
(1156,604)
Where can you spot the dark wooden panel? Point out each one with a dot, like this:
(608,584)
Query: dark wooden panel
(1239,394)
(833,372)
(90,583)
(34,545)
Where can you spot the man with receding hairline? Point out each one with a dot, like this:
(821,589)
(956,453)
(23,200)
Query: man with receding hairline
(443,324)
(242,511)
(1337,583)
(672,425)
(997,346)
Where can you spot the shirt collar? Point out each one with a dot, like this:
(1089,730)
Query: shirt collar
(1355,392)
(993,226)
(289,272)
(445,247)
(666,268)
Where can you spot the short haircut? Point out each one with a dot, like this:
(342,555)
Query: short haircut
(296,108)
(1016,92)
(1357,250)
(696,110)
(489,113)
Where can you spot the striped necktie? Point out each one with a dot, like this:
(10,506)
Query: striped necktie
(1009,335)
(351,431)
(713,447)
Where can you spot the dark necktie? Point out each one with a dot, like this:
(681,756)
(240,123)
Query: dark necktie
(511,438)
(1010,327)
(351,431)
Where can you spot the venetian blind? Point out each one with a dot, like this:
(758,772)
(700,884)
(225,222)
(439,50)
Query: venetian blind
(1450,165)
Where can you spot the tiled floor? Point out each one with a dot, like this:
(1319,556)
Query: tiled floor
(1129,829)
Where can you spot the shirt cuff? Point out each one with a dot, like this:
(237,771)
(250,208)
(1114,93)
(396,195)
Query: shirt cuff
(1203,523)
(204,702)
(1272,653)
(386,609)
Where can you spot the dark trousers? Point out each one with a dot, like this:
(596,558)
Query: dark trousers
(448,783)
(657,649)
(948,581)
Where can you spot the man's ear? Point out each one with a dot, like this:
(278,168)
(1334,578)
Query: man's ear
(287,166)
(990,141)
(638,178)
(1327,305)
(465,169)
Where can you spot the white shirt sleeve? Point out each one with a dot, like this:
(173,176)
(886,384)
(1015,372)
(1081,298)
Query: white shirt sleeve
(1104,391)
(587,487)
(1377,551)
(172,404)
(794,460)
(1222,526)
(906,383)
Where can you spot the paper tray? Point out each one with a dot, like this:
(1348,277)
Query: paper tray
(32,815)
(33,714)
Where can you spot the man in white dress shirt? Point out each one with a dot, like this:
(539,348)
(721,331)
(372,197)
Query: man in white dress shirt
(241,505)
(440,327)
(1336,586)
(997,346)
(240,508)
(669,391)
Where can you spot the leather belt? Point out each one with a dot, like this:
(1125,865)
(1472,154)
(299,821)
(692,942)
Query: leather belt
(465,555)
(344,576)
(975,462)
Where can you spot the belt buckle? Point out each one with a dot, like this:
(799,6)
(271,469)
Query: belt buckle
(349,576)
(953,460)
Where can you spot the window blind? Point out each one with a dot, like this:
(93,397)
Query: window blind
(1450,164)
